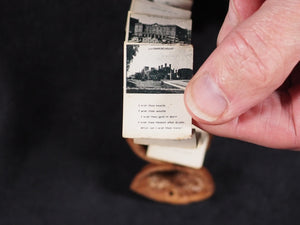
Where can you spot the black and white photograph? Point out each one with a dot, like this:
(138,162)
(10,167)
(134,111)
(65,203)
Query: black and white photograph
(157,69)
(159,9)
(183,4)
(153,29)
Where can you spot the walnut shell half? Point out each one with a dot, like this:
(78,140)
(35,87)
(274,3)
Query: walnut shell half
(140,151)
(173,184)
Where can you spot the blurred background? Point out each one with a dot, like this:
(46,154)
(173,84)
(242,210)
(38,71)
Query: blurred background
(62,157)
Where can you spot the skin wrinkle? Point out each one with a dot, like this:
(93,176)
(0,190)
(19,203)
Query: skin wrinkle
(268,122)
(294,123)
(287,111)
(291,11)
(276,55)
(242,41)
(240,79)
(265,114)
(241,10)
(236,127)
(265,50)
(290,105)
(283,115)
(263,118)
(260,115)
(263,78)
(272,44)
(293,120)
(281,122)
(289,42)
(236,14)
(294,126)
(239,120)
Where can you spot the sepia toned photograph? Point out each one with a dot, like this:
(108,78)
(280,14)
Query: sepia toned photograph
(152,29)
(158,69)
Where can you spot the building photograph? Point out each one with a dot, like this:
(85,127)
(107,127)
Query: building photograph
(158,70)
(149,29)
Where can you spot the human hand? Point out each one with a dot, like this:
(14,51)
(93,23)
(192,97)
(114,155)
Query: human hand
(249,87)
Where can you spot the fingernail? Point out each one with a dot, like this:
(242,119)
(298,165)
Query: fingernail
(205,99)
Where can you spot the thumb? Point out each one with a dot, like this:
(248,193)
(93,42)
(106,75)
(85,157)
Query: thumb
(251,62)
(238,11)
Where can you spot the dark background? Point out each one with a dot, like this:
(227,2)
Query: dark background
(62,158)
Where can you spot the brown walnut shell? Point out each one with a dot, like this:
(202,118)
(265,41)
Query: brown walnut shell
(173,184)
(140,151)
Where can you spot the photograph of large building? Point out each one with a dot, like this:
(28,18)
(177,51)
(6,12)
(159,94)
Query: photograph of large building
(163,79)
(152,70)
(155,32)
(162,72)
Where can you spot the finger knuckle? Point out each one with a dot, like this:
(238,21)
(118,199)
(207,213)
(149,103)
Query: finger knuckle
(248,62)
